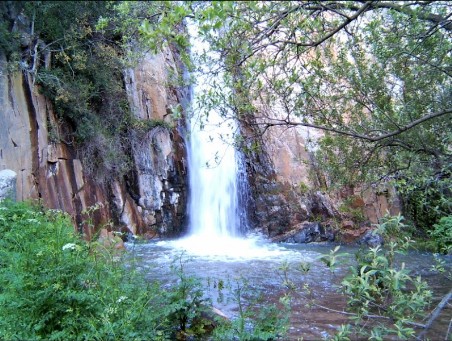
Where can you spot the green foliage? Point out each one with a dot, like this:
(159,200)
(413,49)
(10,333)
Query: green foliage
(442,235)
(426,197)
(186,305)
(9,40)
(378,86)
(84,81)
(55,286)
(303,188)
(355,213)
(76,52)
(254,321)
(147,125)
(380,288)
(332,260)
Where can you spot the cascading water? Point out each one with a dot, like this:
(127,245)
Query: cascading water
(216,211)
(212,164)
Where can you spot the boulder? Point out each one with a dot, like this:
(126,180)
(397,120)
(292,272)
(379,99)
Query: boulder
(8,184)
(110,241)
(370,239)
(307,232)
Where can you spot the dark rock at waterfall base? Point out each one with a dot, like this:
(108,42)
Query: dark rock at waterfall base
(307,232)
(370,239)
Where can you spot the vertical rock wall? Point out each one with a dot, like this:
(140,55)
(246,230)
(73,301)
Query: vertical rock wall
(151,199)
(158,180)
(288,188)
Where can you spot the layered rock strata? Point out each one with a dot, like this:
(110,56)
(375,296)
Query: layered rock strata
(149,200)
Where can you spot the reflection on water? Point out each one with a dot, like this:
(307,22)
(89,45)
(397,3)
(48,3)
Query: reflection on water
(259,263)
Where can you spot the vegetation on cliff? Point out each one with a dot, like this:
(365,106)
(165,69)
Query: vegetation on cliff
(76,52)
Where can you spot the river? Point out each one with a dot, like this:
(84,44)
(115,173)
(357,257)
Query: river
(262,273)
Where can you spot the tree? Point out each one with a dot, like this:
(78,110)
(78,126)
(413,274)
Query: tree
(374,76)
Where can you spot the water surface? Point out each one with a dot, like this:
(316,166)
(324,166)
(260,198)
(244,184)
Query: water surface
(259,263)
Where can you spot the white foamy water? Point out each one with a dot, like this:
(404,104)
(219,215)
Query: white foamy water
(230,249)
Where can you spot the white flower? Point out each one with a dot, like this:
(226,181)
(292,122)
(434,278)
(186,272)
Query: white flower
(70,246)
(121,299)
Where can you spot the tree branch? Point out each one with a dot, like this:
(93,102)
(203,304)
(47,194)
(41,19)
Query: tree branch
(435,313)
(278,122)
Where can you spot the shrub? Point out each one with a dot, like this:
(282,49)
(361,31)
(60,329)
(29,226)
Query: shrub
(442,235)
(56,286)
(53,285)
(380,288)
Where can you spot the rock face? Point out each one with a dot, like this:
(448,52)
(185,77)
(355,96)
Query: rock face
(307,232)
(287,188)
(150,199)
(158,178)
(8,184)
(278,203)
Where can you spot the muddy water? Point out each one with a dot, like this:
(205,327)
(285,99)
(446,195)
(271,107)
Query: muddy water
(262,271)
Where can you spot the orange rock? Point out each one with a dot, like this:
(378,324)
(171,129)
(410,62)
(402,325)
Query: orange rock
(348,224)
(352,235)
(358,202)
(110,241)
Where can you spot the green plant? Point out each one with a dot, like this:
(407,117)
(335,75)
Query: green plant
(381,289)
(303,188)
(255,321)
(355,213)
(54,287)
(331,260)
(442,235)
(186,306)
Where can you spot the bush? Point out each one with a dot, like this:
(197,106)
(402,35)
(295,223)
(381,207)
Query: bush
(54,286)
(442,235)
(380,288)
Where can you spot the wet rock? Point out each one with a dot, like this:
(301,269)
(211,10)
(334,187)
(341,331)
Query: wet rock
(350,236)
(362,236)
(307,232)
(8,184)
(371,239)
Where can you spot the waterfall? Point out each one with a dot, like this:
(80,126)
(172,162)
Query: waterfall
(213,166)
(213,162)
(217,181)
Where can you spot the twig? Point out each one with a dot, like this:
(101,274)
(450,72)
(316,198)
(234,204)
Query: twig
(435,313)
(448,329)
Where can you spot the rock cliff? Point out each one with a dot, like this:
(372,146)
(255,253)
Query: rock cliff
(288,189)
(150,199)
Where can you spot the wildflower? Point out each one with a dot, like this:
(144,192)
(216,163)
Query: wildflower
(121,299)
(116,259)
(70,246)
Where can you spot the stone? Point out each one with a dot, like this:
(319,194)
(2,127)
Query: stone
(348,224)
(110,241)
(371,239)
(349,236)
(8,184)
(307,232)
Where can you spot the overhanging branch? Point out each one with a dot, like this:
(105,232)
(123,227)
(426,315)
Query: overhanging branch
(288,122)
